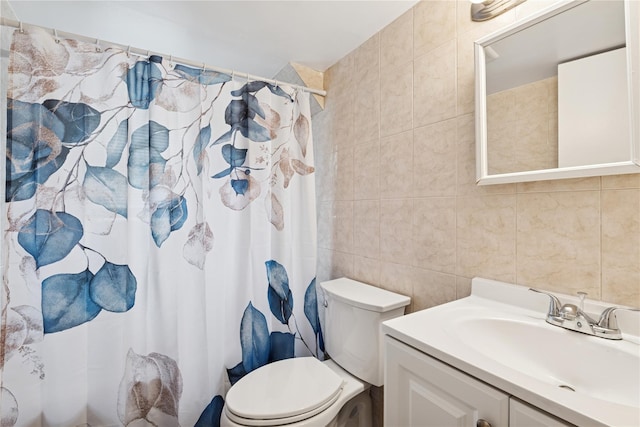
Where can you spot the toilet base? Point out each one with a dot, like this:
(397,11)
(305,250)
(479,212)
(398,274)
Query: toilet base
(355,413)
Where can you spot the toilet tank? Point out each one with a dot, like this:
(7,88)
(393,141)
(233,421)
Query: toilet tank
(354,312)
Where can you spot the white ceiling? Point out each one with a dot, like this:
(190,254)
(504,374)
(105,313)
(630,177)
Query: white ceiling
(257,37)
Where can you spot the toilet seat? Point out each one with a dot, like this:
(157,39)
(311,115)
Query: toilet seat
(283,392)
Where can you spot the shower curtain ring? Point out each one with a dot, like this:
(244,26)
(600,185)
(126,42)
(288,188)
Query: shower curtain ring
(233,73)
(148,54)
(20,28)
(276,83)
(170,60)
(204,67)
(55,35)
(129,51)
(98,49)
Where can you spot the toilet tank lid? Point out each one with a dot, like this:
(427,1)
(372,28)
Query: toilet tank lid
(364,296)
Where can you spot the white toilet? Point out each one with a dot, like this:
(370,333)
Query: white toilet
(306,392)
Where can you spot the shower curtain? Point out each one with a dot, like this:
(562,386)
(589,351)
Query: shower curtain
(159,239)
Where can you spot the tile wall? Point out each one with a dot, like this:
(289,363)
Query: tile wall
(397,202)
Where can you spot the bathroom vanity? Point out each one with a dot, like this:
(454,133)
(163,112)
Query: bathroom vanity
(426,392)
(491,359)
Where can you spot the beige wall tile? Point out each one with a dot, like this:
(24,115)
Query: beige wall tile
(396,41)
(366,270)
(621,246)
(333,265)
(396,166)
(466,156)
(434,231)
(559,241)
(323,265)
(434,25)
(435,164)
(366,228)
(621,181)
(396,99)
(486,237)
(465,68)
(325,160)
(367,59)
(325,224)
(434,94)
(366,170)
(340,75)
(342,114)
(366,121)
(367,91)
(431,288)
(466,159)
(397,278)
(344,174)
(342,226)
(321,128)
(341,265)
(463,287)
(396,239)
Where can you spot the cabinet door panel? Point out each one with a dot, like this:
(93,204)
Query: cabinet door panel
(524,415)
(422,391)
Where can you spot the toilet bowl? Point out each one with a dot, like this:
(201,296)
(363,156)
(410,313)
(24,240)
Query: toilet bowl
(305,392)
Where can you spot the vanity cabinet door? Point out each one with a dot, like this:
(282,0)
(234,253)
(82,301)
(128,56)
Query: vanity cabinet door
(422,391)
(523,415)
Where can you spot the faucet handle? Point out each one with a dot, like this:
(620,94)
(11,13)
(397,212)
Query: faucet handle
(608,319)
(554,303)
(582,296)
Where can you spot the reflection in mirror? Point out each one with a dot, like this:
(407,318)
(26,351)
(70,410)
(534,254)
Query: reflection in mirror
(553,94)
(522,127)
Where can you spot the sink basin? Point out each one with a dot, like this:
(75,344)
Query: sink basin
(499,335)
(577,363)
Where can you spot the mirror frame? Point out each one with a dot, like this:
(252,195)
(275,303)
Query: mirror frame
(632,36)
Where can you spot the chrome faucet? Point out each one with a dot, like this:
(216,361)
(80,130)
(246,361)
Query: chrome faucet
(572,317)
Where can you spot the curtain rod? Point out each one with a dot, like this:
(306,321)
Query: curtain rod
(142,52)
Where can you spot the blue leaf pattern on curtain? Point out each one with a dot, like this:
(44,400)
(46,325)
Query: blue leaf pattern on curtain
(113,288)
(281,346)
(280,297)
(257,350)
(34,148)
(210,417)
(106,187)
(254,339)
(50,236)
(143,81)
(66,302)
(133,267)
(79,120)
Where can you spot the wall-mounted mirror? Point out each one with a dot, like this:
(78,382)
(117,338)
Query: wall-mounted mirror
(558,94)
